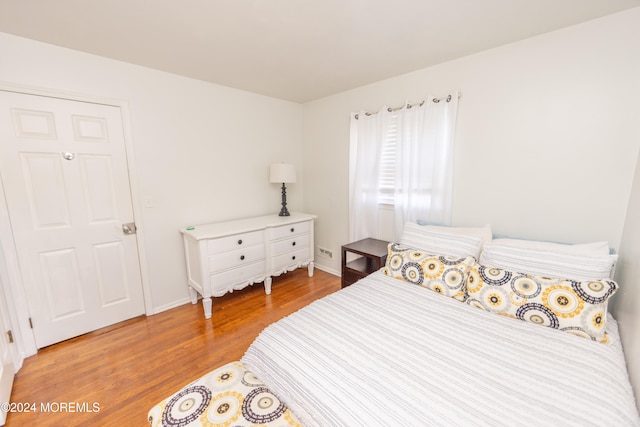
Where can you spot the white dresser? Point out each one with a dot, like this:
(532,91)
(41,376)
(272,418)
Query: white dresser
(227,256)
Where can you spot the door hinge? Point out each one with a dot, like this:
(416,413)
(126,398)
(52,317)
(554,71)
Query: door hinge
(10,335)
(30,323)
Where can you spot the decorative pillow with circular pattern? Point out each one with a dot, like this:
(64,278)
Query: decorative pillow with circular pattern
(229,396)
(446,275)
(579,308)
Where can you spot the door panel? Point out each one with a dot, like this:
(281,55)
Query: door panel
(64,168)
(33,124)
(98,188)
(90,129)
(45,189)
(111,273)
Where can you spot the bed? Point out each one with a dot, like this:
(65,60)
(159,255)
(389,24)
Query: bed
(453,342)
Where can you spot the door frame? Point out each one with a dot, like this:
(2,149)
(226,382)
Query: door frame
(14,290)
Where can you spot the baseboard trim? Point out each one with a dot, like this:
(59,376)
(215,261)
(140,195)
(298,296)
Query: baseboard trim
(328,270)
(171,305)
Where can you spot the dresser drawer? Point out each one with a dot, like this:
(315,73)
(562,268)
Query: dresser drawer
(290,230)
(237,241)
(235,259)
(290,245)
(292,258)
(236,278)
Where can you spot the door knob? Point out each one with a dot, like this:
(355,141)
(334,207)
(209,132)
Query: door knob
(129,228)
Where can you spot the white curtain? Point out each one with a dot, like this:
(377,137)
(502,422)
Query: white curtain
(424,165)
(368,133)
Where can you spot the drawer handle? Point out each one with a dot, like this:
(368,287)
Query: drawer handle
(293,257)
(242,257)
(292,229)
(240,241)
(293,244)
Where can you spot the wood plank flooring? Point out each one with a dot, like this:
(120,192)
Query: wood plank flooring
(127,368)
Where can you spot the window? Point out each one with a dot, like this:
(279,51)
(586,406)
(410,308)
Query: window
(387,175)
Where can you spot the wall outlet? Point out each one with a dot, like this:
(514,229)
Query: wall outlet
(325,252)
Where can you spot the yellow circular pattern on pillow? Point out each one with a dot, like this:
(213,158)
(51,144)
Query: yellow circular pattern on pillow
(562,300)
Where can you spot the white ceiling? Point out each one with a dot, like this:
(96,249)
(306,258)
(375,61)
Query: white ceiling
(298,50)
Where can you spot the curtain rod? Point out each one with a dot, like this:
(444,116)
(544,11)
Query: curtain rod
(419,104)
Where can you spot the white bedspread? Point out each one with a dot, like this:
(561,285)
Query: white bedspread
(383,352)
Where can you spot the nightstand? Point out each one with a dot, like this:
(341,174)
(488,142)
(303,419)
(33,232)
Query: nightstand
(372,256)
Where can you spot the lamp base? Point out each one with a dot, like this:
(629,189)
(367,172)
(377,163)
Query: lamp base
(284,211)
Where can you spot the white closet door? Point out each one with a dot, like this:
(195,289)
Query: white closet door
(64,170)
(8,352)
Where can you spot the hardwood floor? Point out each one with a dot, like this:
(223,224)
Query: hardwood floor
(126,369)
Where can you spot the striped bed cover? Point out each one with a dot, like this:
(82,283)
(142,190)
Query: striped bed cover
(383,352)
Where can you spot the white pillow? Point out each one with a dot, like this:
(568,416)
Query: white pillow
(548,263)
(440,242)
(483,232)
(583,249)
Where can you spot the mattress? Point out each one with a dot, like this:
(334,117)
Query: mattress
(384,352)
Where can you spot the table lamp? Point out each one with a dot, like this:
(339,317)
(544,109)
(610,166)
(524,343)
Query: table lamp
(283,173)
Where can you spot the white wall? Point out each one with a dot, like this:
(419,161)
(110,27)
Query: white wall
(628,275)
(546,143)
(202,151)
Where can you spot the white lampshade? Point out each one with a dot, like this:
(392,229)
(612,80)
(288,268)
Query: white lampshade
(282,173)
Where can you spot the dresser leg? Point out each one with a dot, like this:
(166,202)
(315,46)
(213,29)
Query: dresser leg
(310,268)
(267,285)
(206,304)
